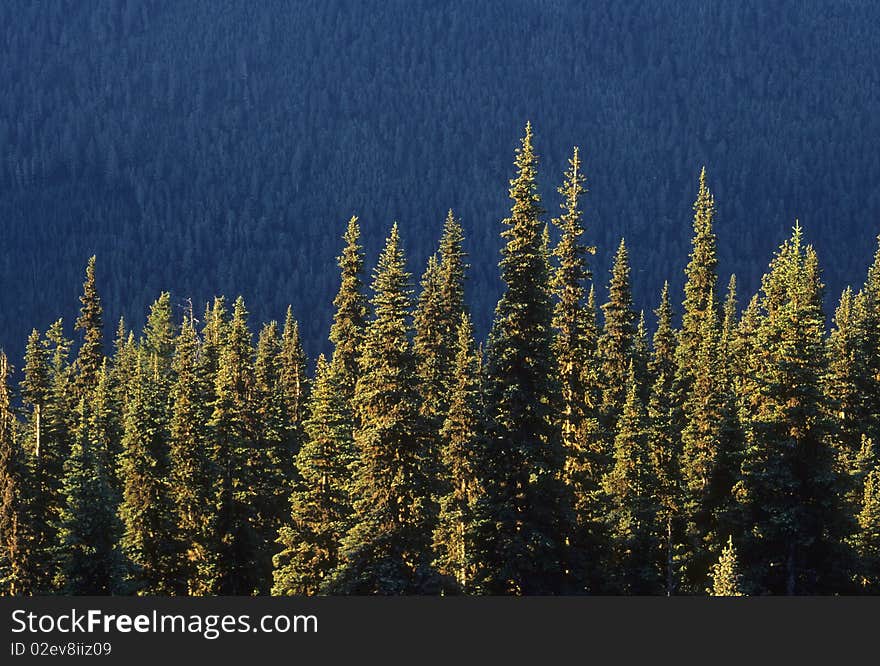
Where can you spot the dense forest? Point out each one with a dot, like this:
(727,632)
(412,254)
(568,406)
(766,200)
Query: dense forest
(572,453)
(207,147)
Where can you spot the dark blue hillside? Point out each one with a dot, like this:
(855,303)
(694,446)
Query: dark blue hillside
(211,147)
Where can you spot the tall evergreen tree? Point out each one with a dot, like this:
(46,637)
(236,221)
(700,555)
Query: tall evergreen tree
(615,345)
(526,511)
(867,539)
(349,319)
(294,386)
(90,322)
(320,503)
(16,529)
(91,560)
(789,485)
(461,434)
(232,429)
(701,280)
(388,548)
(664,442)
(192,472)
(146,509)
(633,510)
(569,316)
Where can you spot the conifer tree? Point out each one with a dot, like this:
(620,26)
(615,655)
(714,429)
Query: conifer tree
(847,384)
(703,450)
(294,386)
(452,268)
(388,548)
(615,345)
(461,437)
(526,512)
(867,539)
(232,429)
(273,457)
(789,486)
(320,503)
(90,322)
(89,553)
(571,343)
(16,535)
(664,442)
(192,472)
(158,343)
(726,579)
(432,350)
(631,499)
(701,281)
(145,510)
(349,319)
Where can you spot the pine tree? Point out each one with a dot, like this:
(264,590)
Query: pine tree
(294,387)
(789,486)
(146,510)
(91,561)
(233,433)
(664,442)
(159,334)
(461,435)
(451,280)
(867,539)
(388,548)
(16,535)
(274,454)
(526,513)
(90,322)
(570,316)
(192,472)
(433,353)
(320,503)
(701,280)
(615,345)
(726,579)
(349,319)
(633,511)
(703,449)
(847,384)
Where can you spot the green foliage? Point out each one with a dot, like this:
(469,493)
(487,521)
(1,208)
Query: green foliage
(462,436)
(90,322)
(387,549)
(525,512)
(726,579)
(91,561)
(16,536)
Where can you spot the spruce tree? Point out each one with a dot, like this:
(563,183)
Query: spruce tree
(349,319)
(664,443)
(703,450)
(571,343)
(232,430)
(526,513)
(789,487)
(89,529)
(146,509)
(461,436)
(726,579)
(615,345)
(16,529)
(294,385)
(90,322)
(701,280)
(273,455)
(452,270)
(633,511)
(867,540)
(192,472)
(320,505)
(388,548)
